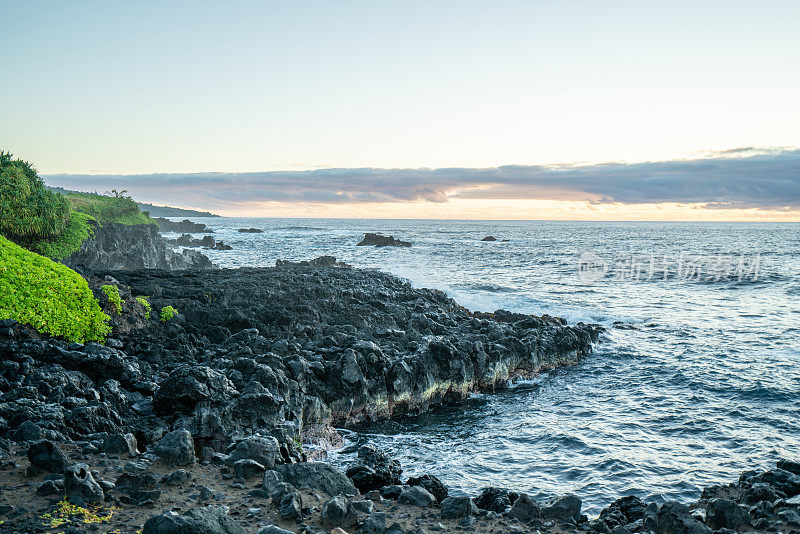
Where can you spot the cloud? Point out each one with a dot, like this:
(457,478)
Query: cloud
(739,178)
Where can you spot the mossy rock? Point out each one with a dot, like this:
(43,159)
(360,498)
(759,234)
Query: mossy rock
(48,296)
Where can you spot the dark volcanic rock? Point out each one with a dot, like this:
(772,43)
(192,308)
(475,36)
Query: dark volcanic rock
(458,507)
(209,520)
(379,240)
(47,456)
(416,496)
(565,507)
(176,448)
(496,500)
(250,231)
(722,513)
(80,486)
(674,518)
(373,469)
(525,509)
(264,450)
(189,385)
(489,238)
(430,483)
(124,247)
(183,227)
(337,512)
(318,476)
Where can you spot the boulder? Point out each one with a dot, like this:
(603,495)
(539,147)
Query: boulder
(139,483)
(674,518)
(496,500)
(189,385)
(336,512)
(563,508)
(430,483)
(80,487)
(47,456)
(373,469)
(375,523)
(525,509)
(416,496)
(458,507)
(176,448)
(247,468)
(264,450)
(272,529)
(489,238)
(208,520)
(723,513)
(319,476)
(121,444)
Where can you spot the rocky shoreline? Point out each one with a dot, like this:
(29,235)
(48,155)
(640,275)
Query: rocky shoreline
(210,421)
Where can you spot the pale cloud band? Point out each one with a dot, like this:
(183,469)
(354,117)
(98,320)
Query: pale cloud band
(734,179)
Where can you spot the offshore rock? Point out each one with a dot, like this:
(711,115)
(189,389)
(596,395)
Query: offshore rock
(379,240)
(183,227)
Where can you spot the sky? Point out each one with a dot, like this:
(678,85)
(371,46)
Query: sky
(432,109)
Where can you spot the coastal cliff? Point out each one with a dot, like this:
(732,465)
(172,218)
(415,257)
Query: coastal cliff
(115,246)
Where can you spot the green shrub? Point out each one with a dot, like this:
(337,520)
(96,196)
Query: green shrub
(28,211)
(79,228)
(113,296)
(143,301)
(48,296)
(167,313)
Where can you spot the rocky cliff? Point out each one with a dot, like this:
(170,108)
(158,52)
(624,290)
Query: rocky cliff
(124,247)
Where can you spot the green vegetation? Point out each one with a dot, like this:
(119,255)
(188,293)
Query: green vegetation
(66,512)
(54,225)
(116,208)
(28,211)
(79,228)
(167,313)
(48,296)
(113,296)
(143,301)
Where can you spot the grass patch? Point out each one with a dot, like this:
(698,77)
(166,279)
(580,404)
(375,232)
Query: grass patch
(48,296)
(116,209)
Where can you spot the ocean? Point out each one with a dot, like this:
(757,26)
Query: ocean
(696,379)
